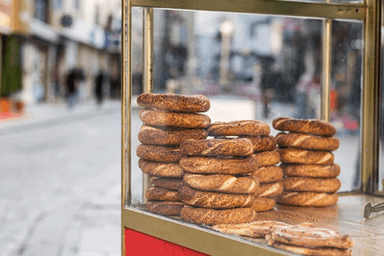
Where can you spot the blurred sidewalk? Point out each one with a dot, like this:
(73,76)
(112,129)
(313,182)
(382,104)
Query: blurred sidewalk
(90,225)
(48,114)
(97,230)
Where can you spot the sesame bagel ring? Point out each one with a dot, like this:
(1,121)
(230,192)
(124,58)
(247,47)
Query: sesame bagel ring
(262,204)
(222,183)
(307,198)
(219,165)
(161,169)
(159,153)
(330,185)
(169,135)
(302,156)
(306,141)
(164,118)
(309,126)
(311,170)
(267,158)
(162,194)
(239,128)
(165,207)
(217,147)
(268,174)
(262,143)
(174,102)
(270,190)
(214,200)
(168,183)
(212,216)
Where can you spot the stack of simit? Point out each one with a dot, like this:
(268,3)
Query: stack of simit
(269,175)
(308,162)
(219,187)
(169,119)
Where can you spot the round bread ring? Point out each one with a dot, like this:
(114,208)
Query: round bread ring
(311,170)
(162,194)
(267,158)
(302,156)
(309,126)
(262,204)
(268,174)
(255,229)
(165,207)
(222,183)
(239,128)
(307,198)
(216,165)
(270,190)
(161,169)
(311,237)
(169,135)
(330,185)
(307,141)
(174,102)
(217,147)
(214,200)
(168,183)
(159,153)
(174,119)
(262,143)
(320,251)
(213,217)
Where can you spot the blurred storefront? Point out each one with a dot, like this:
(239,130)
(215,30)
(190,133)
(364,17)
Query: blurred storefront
(5,30)
(57,37)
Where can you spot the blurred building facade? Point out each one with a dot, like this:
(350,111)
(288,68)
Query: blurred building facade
(49,39)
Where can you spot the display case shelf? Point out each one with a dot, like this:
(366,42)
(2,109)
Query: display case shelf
(346,218)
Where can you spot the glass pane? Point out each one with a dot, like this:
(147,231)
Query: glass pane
(137,77)
(253,67)
(381,163)
(347,47)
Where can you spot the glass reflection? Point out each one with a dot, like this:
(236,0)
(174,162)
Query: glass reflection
(254,67)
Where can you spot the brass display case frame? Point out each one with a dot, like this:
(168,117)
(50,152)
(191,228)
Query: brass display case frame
(181,233)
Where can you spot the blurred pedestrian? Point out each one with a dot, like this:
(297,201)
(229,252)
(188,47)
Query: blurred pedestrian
(114,88)
(301,96)
(267,84)
(71,89)
(99,88)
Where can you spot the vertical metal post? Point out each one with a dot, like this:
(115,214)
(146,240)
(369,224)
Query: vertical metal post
(370,98)
(148,70)
(126,112)
(326,70)
(1,58)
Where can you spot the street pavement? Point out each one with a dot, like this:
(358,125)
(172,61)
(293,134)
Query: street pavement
(60,185)
(60,169)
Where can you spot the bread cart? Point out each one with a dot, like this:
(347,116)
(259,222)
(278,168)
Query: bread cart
(146,233)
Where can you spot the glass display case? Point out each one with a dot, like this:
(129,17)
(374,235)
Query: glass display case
(258,60)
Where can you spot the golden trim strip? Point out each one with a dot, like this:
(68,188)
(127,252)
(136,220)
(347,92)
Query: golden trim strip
(369,127)
(125,112)
(302,9)
(193,237)
(327,70)
(148,72)
(148,50)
